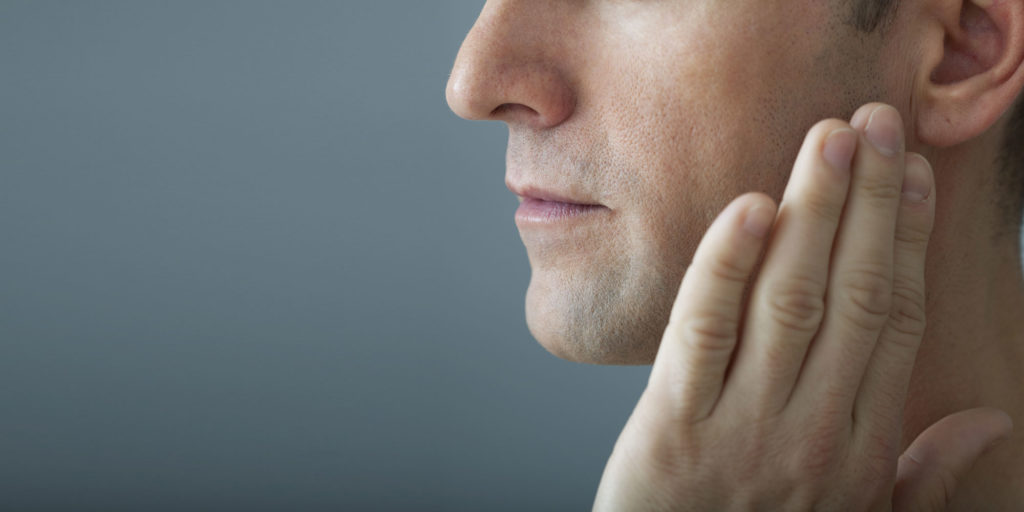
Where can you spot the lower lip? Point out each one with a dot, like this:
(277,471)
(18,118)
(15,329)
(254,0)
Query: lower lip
(537,211)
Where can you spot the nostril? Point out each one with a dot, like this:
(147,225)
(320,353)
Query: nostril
(501,109)
(516,112)
(512,108)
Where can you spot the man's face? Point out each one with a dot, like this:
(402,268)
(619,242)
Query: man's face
(659,113)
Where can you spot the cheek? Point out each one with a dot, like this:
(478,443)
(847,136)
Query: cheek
(694,138)
(698,128)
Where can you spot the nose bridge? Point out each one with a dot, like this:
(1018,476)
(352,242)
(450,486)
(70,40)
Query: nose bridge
(519,22)
(508,62)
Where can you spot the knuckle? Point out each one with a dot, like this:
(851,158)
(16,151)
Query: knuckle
(726,267)
(868,293)
(940,493)
(821,206)
(797,304)
(710,333)
(907,314)
(913,234)
(879,188)
(947,486)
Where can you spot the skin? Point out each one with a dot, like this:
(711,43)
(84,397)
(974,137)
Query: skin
(665,158)
(666,112)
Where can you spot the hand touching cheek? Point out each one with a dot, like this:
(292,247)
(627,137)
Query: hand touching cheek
(792,398)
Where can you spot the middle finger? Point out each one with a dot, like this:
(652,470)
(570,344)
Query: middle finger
(859,292)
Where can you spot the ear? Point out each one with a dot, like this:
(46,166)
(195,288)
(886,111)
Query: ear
(974,57)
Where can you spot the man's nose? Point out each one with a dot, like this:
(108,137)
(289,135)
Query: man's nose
(507,71)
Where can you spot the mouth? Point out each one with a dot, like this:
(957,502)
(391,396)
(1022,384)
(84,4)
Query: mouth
(545,207)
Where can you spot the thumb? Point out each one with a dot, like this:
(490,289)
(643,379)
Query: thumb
(931,467)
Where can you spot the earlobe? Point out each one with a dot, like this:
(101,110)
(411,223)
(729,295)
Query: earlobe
(977,70)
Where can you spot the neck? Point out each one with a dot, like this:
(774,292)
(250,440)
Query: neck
(972,353)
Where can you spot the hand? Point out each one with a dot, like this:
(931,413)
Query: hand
(792,399)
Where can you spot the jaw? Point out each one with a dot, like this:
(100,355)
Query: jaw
(596,319)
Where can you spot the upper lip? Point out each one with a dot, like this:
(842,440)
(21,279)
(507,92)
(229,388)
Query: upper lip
(543,194)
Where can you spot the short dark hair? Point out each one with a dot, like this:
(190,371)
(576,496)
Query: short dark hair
(872,15)
(869,14)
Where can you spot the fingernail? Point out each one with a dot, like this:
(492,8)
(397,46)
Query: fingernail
(860,118)
(885,130)
(917,179)
(758,221)
(839,148)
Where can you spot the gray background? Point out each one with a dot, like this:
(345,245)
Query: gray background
(250,261)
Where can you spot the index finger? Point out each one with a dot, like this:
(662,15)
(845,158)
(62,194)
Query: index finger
(698,344)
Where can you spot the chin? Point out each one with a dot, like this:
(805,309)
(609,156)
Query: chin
(592,328)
